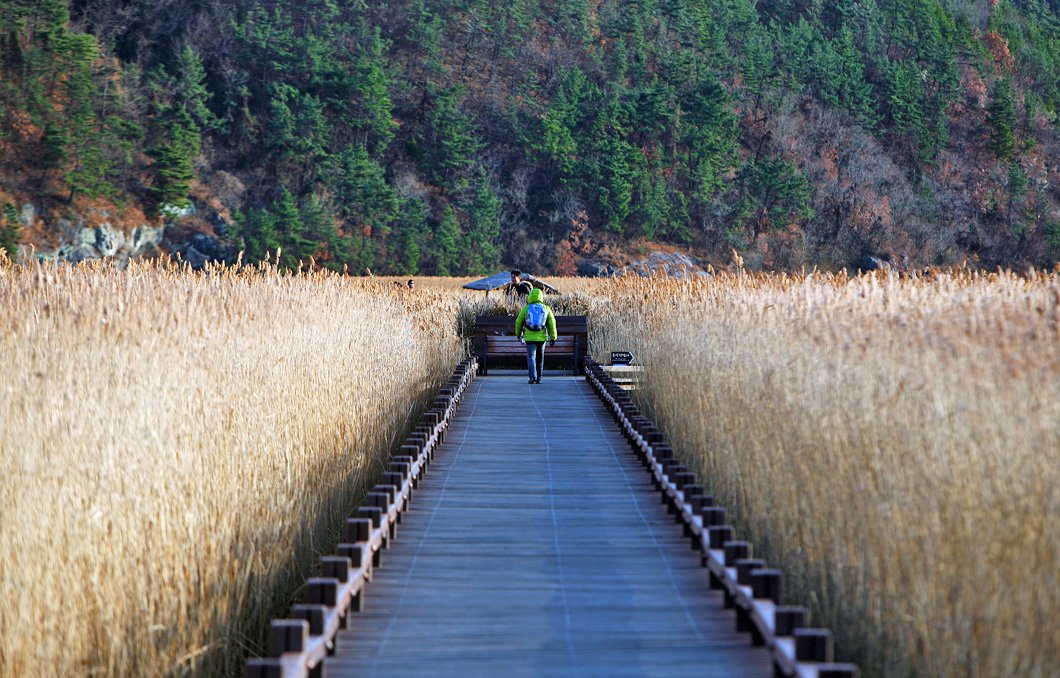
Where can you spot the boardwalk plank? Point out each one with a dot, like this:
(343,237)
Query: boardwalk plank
(536,546)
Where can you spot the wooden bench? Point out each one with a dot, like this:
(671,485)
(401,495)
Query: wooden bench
(496,344)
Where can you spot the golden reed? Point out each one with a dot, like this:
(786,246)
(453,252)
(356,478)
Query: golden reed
(177,448)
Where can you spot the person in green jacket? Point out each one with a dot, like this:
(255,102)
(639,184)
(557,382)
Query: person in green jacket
(535,324)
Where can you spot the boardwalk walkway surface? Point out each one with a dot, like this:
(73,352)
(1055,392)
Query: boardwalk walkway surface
(536,546)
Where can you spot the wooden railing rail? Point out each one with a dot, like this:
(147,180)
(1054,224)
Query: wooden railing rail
(299,644)
(749,586)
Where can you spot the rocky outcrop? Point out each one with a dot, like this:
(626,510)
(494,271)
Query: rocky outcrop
(80,242)
(598,268)
(198,248)
(673,264)
(105,242)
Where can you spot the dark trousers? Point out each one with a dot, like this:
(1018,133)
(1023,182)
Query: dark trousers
(535,359)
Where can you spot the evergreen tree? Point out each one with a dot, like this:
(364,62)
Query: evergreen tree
(454,141)
(54,143)
(905,100)
(367,202)
(259,232)
(1002,119)
(854,93)
(190,93)
(88,167)
(773,194)
(10,235)
(708,130)
(180,115)
(297,245)
(321,232)
(446,244)
(300,133)
(373,108)
(483,230)
(178,145)
(411,234)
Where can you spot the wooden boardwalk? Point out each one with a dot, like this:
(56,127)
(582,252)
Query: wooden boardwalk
(537,546)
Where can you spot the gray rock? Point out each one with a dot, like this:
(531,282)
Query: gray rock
(176,211)
(596,268)
(85,237)
(198,248)
(213,248)
(144,240)
(674,265)
(109,242)
(75,253)
(873,263)
(104,241)
(28,215)
(194,257)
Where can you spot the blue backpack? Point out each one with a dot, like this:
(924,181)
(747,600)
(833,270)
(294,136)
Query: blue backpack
(536,317)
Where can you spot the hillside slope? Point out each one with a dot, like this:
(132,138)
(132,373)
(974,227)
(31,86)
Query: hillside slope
(429,136)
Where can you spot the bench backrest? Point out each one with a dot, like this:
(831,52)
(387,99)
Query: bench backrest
(507,343)
(505,324)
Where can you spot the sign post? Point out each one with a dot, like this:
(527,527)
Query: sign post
(621,358)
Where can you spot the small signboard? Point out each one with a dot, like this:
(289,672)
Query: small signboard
(621,358)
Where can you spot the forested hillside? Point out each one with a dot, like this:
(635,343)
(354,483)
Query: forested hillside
(449,136)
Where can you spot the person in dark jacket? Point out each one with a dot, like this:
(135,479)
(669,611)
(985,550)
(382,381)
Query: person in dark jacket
(518,286)
(535,338)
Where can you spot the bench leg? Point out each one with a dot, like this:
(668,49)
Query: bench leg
(482,367)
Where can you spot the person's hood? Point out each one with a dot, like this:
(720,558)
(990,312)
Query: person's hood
(535,296)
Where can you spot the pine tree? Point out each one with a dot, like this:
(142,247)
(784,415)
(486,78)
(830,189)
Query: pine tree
(709,133)
(373,109)
(54,143)
(321,232)
(773,194)
(454,141)
(1002,118)
(556,143)
(905,100)
(191,93)
(854,92)
(366,200)
(178,146)
(483,230)
(10,233)
(411,233)
(259,232)
(446,244)
(180,115)
(293,232)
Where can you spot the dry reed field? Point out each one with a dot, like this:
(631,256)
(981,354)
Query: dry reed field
(176,448)
(892,443)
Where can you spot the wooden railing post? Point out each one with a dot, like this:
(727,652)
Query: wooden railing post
(766,584)
(813,645)
(288,635)
(788,618)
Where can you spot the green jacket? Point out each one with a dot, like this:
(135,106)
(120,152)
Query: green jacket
(550,320)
